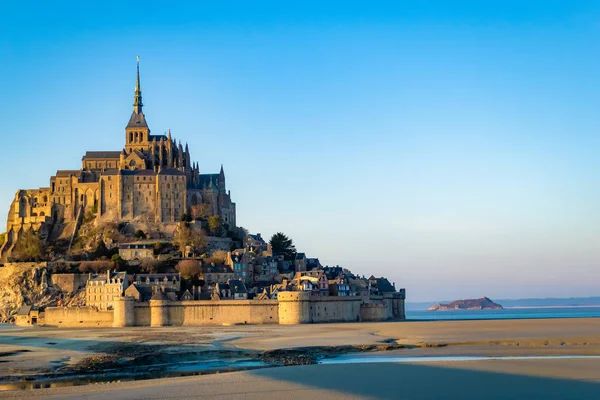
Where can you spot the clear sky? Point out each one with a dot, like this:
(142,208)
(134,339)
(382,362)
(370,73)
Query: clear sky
(452,146)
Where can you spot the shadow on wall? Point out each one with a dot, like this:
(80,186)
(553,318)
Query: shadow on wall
(411,381)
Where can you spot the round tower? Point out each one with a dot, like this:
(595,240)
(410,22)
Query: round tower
(294,308)
(159,309)
(123,312)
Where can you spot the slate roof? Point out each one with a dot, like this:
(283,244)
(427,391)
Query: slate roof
(218,268)
(67,172)
(159,295)
(237,286)
(144,291)
(101,155)
(170,171)
(160,277)
(137,120)
(24,310)
(384,286)
(257,238)
(157,137)
(135,246)
(300,256)
(138,172)
(205,179)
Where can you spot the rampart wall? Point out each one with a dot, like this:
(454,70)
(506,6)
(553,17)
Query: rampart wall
(289,308)
(77,317)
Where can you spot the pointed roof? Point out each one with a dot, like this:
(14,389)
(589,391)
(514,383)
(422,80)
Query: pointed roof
(137,120)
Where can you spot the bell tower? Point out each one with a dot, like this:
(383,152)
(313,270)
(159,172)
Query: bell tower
(137,133)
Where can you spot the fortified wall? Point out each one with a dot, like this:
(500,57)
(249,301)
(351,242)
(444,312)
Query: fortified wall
(289,308)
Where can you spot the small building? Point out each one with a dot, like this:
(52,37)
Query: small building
(215,273)
(339,287)
(321,280)
(234,289)
(170,282)
(255,243)
(243,265)
(238,289)
(359,287)
(101,290)
(265,269)
(27,316)
(139,293)
(136,251)
(300,262)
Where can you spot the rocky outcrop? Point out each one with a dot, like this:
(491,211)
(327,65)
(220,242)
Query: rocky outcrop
(30,284)
(483,303)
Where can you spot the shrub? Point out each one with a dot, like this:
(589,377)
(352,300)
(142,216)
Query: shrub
(189,269)
(96,266)
(149,266)
(139,234)
(28,247)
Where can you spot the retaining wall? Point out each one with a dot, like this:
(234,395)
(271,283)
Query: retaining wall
(77,317)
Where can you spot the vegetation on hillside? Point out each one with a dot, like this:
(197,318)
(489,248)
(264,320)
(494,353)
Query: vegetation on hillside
(189,269)
(186,235)
(29,247)
(283,245)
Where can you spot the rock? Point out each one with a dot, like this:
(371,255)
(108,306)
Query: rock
(483,303)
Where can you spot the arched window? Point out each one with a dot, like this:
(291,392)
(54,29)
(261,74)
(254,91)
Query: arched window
(130,137)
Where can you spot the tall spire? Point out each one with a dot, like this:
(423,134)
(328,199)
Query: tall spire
(137,98)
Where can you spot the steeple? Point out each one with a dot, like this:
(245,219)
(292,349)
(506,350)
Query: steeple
(137,123)
(137,97)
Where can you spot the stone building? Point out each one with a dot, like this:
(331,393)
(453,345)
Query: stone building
(136,251)
(102,290)
(151,180)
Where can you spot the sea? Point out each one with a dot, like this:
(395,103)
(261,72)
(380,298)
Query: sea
(506,313)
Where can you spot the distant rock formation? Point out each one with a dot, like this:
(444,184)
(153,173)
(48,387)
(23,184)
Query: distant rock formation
(483,303)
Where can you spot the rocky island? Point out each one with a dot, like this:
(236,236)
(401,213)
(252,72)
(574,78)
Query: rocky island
(483,303)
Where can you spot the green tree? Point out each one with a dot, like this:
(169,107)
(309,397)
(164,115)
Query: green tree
(283,245)
(28,247)
(215,225)
(2,238)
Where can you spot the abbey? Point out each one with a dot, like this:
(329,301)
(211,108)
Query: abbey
(152,179)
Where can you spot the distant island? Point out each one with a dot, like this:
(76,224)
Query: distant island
(483,303)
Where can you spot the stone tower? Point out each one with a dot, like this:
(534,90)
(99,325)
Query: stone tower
(137,133)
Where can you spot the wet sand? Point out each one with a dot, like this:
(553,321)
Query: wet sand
(49,348)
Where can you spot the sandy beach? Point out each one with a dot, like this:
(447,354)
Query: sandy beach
(36,351)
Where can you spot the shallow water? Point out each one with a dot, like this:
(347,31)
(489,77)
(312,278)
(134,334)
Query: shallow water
(213,367)
(355,359)
(507,313)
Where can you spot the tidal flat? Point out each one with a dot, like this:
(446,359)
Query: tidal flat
(128,358)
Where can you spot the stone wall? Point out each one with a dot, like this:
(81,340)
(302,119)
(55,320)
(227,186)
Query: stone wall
(69,282)
(290,308)
(77,317)
(302,308)
(197,312)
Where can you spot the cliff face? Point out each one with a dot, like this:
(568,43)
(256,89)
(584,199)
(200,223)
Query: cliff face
(29,284)
(483,303)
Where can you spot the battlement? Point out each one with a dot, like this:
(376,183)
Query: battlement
(289,308)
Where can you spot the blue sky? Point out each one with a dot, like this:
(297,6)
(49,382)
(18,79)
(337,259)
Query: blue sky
(451,146)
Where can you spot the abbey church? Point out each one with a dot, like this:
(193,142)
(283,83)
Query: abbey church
(153,179)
